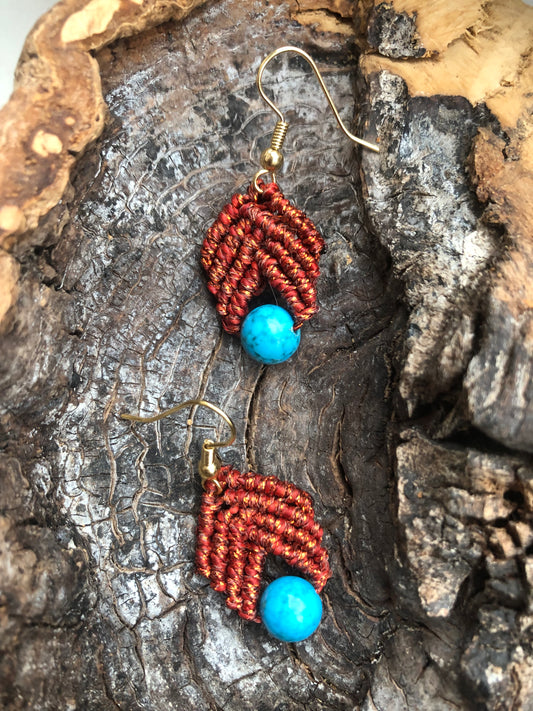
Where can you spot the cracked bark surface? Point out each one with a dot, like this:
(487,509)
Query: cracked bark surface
(405,412)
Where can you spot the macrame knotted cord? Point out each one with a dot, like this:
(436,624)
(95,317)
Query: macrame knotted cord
(241,521)
(260,238)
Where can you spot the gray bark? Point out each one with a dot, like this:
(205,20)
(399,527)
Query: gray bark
(427,520)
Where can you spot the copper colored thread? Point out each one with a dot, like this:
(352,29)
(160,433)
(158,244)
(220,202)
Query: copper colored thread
(245,519)
(259,238)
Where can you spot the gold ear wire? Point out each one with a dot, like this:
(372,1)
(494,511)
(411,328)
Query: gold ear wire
(210,462)
(272,157)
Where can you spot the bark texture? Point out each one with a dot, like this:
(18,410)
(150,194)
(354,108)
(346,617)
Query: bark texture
(406,412)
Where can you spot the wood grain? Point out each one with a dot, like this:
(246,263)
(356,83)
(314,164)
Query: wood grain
(406,413)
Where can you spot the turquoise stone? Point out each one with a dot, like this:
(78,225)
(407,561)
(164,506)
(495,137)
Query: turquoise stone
(291,609)
(268,334)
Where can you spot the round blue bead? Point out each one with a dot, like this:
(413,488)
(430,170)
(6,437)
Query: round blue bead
(268,334)
(291,609)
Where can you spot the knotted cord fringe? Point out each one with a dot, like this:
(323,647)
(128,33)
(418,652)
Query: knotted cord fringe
(260,238)
(244,519)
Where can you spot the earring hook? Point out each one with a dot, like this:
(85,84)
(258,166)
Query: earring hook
(272,159)
(210,462)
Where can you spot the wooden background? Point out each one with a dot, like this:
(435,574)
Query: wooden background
(406,412)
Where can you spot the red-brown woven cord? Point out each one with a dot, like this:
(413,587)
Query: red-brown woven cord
(244,519)
(260,238)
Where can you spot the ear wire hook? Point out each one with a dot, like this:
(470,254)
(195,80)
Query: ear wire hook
(210,462)
(272,158)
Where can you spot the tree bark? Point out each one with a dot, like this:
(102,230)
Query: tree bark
(406,412)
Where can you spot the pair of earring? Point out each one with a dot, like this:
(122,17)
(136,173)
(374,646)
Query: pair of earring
(259,238)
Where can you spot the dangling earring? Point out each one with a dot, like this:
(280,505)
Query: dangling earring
(259,238)
(243,518)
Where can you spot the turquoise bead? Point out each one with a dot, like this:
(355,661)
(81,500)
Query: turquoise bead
(291,609)
(268,334)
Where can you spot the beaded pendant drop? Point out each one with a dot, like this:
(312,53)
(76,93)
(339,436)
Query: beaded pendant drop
(259,238)
(243,518)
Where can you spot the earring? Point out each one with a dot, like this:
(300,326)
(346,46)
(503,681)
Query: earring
(259,238)
(245,517)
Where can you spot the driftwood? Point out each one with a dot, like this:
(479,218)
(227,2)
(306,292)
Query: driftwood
(406,413)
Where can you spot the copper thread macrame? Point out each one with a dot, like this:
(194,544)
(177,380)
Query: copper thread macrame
(259,238)
(245,517)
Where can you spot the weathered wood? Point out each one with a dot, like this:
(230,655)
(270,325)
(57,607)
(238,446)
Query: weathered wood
(464,504)
(185,126)
(406,412)
(58,80)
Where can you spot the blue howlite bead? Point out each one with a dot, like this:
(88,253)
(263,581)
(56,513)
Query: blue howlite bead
(268,334)
(291,609)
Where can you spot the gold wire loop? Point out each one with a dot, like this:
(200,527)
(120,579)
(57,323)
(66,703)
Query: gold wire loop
(310,60)
(210,462)
(260,174)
